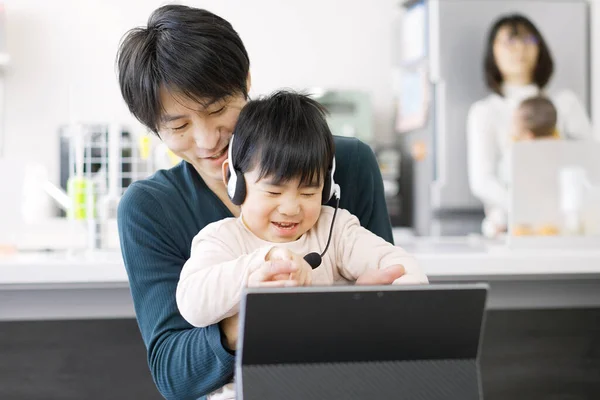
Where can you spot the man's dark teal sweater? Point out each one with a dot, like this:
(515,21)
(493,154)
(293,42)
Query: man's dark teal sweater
(158,217)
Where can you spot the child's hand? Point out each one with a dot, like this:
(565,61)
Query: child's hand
(384,276)
(269,274)
(303,271)
(414,278)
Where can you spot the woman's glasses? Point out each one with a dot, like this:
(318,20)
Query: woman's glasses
(514,40)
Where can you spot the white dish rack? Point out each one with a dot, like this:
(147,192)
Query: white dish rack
(103,159)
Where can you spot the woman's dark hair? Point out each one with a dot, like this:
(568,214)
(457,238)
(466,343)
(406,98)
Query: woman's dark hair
(186,50)
(285,135)
(544,65)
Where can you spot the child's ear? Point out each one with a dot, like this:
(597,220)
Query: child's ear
(527,135)
(524,136)
(225,171)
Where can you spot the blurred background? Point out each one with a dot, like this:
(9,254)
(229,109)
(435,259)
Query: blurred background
(396,75)
(400,75)
(58,72)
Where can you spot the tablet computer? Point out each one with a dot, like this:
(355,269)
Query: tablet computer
(361,342)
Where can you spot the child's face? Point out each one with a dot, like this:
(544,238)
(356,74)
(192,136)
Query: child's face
(282,212)
(519,132)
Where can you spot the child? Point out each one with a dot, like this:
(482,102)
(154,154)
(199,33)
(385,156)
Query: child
(280,169)
(534,119)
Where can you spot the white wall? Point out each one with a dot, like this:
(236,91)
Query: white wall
(63,54)
(595,63)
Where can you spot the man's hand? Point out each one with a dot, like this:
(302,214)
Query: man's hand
(303,273)
(381,276)
(229,329)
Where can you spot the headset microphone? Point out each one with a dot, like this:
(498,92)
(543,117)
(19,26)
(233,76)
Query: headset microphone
(314,259)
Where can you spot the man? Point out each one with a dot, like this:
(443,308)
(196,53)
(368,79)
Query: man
(186,77)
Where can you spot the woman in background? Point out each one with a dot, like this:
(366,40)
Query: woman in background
(517,65)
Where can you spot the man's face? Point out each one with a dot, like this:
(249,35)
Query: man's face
(197,134)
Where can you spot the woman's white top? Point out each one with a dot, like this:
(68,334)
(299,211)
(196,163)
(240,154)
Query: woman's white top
(489,130)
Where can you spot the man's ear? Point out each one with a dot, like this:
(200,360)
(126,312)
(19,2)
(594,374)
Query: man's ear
(248,82)
(225,170)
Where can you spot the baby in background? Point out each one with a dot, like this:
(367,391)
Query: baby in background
(534,119)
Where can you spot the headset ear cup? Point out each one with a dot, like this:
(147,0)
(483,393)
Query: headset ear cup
(326,190)
(231,183)
(239,190)
(328,187)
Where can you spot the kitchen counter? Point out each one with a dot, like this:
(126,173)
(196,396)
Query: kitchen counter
(71,285)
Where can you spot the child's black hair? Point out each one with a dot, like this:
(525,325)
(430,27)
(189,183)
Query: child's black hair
(286,136)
